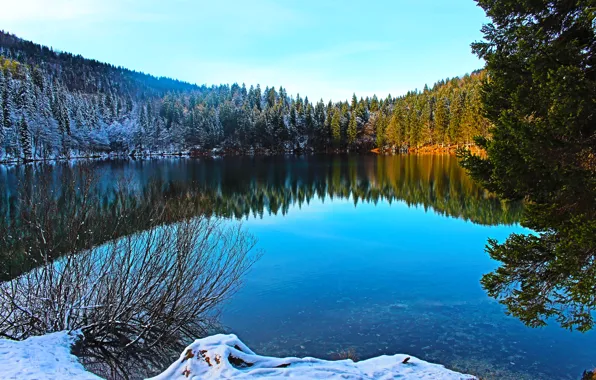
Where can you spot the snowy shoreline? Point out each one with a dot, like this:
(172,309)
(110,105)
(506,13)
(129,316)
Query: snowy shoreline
(214,357)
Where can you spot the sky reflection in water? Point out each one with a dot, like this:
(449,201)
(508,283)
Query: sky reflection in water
(397,270)
(389,278)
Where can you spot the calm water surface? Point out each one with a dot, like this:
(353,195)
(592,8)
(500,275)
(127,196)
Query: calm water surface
(376,254)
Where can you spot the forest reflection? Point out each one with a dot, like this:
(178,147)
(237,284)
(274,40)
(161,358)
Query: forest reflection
(65,208)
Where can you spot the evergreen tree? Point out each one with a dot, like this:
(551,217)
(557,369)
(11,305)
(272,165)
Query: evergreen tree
(25,139)
(442,120)
(6,103)
(393,135)
(541,98)
(142,128)
(336,127)
(374,104)
(344,121)
(455,121)
(352,130)
(380,125)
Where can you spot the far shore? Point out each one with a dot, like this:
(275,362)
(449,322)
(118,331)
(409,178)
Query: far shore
(219,152)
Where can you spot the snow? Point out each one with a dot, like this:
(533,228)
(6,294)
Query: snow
(226,357)
(40,358)
(215,357)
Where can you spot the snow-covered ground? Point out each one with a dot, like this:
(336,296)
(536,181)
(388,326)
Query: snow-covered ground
(214,357)
(226,357)
(40,358)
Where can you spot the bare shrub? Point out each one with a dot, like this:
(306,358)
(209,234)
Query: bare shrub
(145,295)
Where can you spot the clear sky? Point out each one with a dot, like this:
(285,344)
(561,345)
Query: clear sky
(322,49)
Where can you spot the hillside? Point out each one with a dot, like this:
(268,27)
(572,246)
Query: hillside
(60,105)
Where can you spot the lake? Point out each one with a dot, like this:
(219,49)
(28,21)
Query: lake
(369,254)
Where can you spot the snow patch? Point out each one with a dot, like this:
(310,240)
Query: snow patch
(225,356)
(40,358)
(215,357)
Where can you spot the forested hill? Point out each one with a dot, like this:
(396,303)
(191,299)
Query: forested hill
(58,104)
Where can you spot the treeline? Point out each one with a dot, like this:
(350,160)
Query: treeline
(57,104)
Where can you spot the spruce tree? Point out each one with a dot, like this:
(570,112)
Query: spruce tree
(541,98)
(336,127)
(442,120)
(352,130)
(380,125)
(6,103)
(374,104)
(25,139)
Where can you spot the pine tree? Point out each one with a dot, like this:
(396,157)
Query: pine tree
(352,130)
(344,121)
(25,139)
(541,99)
(393,134)
(380,125)
(336,127)
(455,120)
(6,103)
(374,104)
(25,97)
(141,129)
(442,120)
(328,127)
(309,121)
(5,121)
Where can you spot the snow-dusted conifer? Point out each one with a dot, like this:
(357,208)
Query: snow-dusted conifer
(25,139)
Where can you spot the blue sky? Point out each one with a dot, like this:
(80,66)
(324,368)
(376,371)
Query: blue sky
(322,49)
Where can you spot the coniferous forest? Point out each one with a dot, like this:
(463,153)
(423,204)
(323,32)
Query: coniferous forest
(60,105)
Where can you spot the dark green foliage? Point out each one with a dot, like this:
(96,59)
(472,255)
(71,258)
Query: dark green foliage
(25,139)
(6,102)
(540,95)
(336,127)
(352,130)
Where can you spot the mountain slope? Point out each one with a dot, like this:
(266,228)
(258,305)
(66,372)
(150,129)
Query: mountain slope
(58,105)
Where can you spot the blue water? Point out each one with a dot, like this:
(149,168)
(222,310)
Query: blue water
(379,255)
(388,278)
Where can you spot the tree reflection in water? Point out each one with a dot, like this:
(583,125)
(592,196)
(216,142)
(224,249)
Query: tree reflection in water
(99,228)
(85,205)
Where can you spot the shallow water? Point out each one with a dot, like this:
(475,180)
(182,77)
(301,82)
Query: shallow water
(379,255)
(383,279)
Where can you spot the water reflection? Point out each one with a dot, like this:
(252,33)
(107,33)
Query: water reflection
(70,217)
(388,278)
(382,254)
(137,300)
(242,187)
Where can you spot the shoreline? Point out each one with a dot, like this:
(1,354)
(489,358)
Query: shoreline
(216,153)
(50,356)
